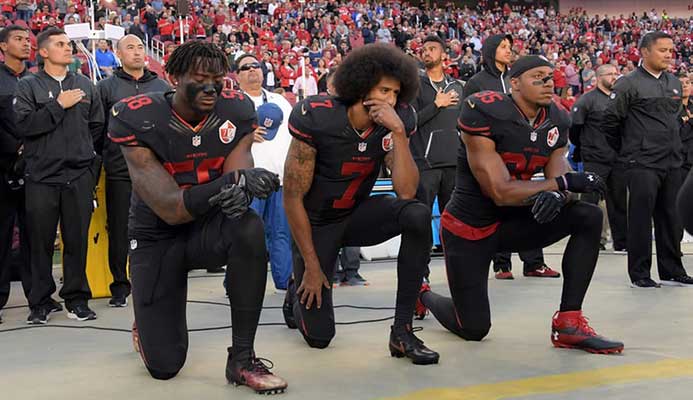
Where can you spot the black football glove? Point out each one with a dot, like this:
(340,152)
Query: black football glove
(258,182)
(547,205)
(582,182)
(233,201)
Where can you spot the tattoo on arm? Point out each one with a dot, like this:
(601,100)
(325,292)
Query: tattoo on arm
(155,186)
(299,168)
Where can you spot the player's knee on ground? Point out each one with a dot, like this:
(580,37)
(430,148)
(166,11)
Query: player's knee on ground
(317,343)
(160,375)
(163,363)
(415,217)
(473,334)
(587,217)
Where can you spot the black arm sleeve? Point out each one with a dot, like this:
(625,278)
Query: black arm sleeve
(196,198)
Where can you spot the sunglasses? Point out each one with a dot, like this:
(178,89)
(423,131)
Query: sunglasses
(249,66)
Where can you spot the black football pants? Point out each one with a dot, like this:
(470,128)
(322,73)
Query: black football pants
(652,195)
(468,313)
(616,200)
(159,272)
(117,207)
(374,221)
(71,204)
(11,212)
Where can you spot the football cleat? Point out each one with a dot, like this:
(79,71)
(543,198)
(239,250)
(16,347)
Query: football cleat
(403,343)
(420,310)
(246,369)
(571,330)
(543,272)
(504,275)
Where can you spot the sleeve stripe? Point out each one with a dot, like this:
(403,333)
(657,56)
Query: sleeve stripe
(121,140)
(299,133)
(472,129)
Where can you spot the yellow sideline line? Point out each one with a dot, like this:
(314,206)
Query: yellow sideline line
(669,368)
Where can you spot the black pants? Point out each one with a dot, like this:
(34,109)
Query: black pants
(159,271)
(468,313)
(117,208)
(616,200)
(72,205)
(652,195)
(374,221)
(434,182)
(11,213)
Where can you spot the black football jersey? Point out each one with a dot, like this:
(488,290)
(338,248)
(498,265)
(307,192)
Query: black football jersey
(525,149)
(191,154)
(347,162)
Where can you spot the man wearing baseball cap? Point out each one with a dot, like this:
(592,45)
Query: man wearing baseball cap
(271,145)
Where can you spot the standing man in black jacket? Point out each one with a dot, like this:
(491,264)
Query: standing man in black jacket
(129,80)
(59,115)
(592,148)
(16,47)
(497,56)
(643,120)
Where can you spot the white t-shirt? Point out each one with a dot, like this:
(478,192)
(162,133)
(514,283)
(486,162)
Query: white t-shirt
(271,154)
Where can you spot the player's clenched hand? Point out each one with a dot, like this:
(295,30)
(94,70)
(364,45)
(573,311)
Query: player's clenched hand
(450,98)
(547,205)
(582,182)
(69,98)
(258,182)
(311,287)
(384,115)
(233,201)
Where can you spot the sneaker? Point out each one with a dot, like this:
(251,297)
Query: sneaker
(602,247)
(246,369)
(683,280)
(504,275)
(403,343)
(543,272)
(38,315)
(420,310)
(571,330)
(338,279)
(118,301)
(646,283)
(356,280)
(620,250)
(288,306)
(80,312)
(53,306)
(280,291)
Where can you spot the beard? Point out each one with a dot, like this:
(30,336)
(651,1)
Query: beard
(432,64)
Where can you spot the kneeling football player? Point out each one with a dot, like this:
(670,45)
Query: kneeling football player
(188,153)
(496,207)
(339,145)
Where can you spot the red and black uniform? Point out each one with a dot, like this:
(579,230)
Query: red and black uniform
(162,254)
(342,213)
(474,228)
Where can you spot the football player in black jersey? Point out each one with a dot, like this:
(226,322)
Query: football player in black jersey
(497,207)
(338,146)
(188,153)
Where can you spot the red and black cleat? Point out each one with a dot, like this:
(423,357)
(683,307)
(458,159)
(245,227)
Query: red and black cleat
(420,310)
(543,272)
(571,330)
(403,343)
(246,369)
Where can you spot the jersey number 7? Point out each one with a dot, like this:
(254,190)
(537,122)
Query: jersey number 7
(362,170)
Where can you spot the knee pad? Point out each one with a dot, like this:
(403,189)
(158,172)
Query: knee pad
(415,216)
(317,343)
(164,376)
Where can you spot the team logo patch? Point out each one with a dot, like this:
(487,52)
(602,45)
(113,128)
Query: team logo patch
(363,146)
(387,142)
(133,244)
(552,136)
(196,140)
(227,132)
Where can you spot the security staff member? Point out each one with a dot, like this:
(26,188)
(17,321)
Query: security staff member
(59,114)
(16,48)
(598,156)
(643,120)
(497,55)
(129,80)
(435,145)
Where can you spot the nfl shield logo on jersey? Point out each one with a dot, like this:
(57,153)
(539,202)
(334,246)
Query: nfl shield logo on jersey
(387,142)
(196,140)
(552,137)
(227,131)
(363,146)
